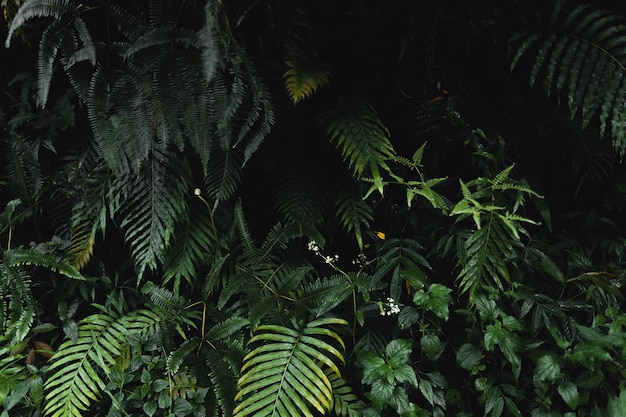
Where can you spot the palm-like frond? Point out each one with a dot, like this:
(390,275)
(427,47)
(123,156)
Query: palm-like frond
(77,367)
(582,55)
(363,137)
(284,375)
(304,78)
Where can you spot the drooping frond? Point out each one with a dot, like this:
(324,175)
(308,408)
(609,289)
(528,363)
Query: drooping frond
(78,367)
(24,172)
(149,206)
(363,137)
(354,213)
(56,9)
(284,375)
(581,55)
(300,197)
(304,78)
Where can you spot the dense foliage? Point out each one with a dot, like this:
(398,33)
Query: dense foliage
(281,208)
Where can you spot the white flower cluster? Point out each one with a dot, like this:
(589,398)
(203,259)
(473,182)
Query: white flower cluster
(314,247)
(393,308)
(361,260)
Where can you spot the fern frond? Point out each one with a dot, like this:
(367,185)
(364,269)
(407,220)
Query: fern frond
(364,139)
(208,43)
(223,174)
(76,369)
(582,56)
(354,213)
(81,248)
(194,243)
(285,374)
(223,381)
(40,8)
(346,403)
(87,51)
(149,207)
(304,78)
(402,259)
(299,195)
(324,294)
(48,48)
(17,307)
(20,257)
(488,251)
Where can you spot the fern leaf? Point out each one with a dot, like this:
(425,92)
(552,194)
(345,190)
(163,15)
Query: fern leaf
(48,49)
(354,213)
(76,368)
(285,374)
(488,251)
(304,78)
(20,257)
(346,403)
(149,207)
(208,43)
(88,50)
(194,242)
(39,8)
(364,139)
(300,198)
(582,56)
(17,307)
(74,383)
(402,259)
(322,295)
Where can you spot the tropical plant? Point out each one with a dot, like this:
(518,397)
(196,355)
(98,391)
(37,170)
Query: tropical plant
(211,208)
(580,55)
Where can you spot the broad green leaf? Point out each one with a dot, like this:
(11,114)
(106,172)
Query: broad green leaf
(468,356)
(569,392)
(547,369)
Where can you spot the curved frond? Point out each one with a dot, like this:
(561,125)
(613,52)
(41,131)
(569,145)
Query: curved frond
(304,78)
(48,49)
(363,137)
(20,257)
(77,367)
(284,375)
(582,56)
(39,8)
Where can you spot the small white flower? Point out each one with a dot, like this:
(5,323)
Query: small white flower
(197,191)
(313,246)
